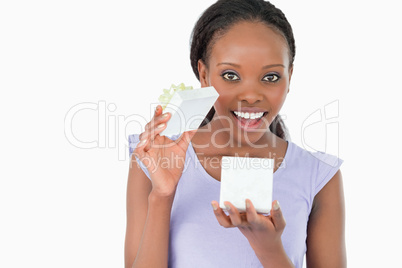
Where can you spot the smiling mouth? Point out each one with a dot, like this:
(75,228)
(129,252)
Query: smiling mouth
(249,120)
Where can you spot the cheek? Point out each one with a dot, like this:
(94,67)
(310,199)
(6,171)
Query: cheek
(222,103)
(225,96)
(279,94)
(277,103)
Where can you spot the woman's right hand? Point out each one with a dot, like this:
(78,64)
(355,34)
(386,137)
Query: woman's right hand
(163,157)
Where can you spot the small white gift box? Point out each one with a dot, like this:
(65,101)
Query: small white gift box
(188,109)
(247,177)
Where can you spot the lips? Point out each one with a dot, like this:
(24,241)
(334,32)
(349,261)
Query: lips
(249,118)
(247,115)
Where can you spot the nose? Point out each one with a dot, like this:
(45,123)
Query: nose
(250,93)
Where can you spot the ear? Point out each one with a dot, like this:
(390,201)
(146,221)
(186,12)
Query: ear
(290,76)
(203,73)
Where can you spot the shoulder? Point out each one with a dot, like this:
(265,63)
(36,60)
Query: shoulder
(133,140)
(313,156)
(320,166)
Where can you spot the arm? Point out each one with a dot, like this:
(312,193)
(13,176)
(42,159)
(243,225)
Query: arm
(148,217)
(138,189)
(149,202)
(326,227)
(154,246)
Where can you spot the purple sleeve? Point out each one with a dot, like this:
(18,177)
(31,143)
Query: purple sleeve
(328,165)
(133,140)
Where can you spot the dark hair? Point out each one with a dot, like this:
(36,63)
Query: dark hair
(218,19)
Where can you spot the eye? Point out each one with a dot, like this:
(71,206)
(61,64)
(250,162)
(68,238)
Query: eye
(271,78)
(230,76)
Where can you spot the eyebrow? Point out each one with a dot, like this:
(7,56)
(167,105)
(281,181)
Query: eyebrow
(264,67)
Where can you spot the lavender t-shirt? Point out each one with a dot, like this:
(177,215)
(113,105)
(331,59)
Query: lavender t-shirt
(196,238)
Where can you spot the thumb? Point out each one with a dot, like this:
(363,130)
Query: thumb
(185,139)
(277,216)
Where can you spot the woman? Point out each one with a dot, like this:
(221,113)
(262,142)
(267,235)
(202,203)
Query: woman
(245,49)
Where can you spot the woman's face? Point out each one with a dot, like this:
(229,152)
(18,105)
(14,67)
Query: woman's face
(249,67)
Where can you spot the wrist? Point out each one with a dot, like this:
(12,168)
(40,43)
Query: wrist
(160,197)
(166,191)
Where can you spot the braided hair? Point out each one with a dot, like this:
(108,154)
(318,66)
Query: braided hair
(217,20)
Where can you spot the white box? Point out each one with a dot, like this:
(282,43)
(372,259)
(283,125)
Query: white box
(247,177)
(188,109)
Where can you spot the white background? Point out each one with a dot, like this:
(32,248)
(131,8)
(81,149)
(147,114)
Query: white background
(64,206)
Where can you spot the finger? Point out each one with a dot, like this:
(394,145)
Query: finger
(185,138)
(222,218)
(157,114)
(158,111)
(233,214)
(277,216)
(153,124)
(155,133)
(252,216)
(142,143)
(139,150)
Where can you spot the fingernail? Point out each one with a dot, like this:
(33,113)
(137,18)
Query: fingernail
(214,206)
(165,115)
(142,142)
(247,203)
(161,126)
(227,207)
(276,205)
(156,109)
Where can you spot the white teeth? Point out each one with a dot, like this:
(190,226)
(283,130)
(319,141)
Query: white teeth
(249,115)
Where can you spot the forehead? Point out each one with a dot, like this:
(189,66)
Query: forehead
(253,41)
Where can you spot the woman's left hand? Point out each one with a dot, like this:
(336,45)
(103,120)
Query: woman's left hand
(263,232)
